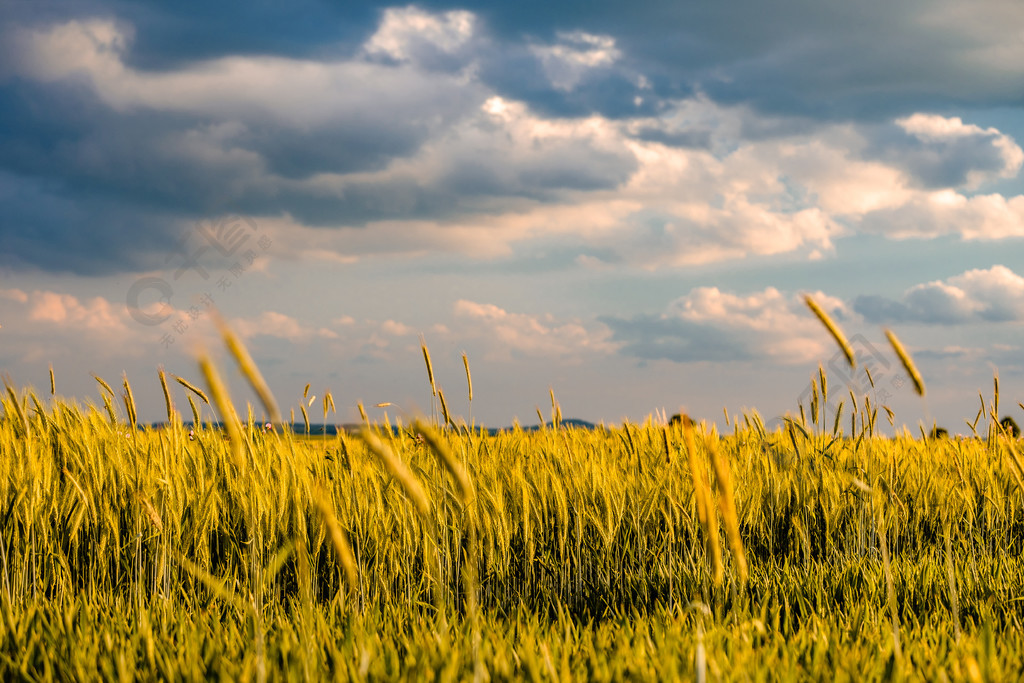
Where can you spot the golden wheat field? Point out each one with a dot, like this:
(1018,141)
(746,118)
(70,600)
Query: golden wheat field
(430,550)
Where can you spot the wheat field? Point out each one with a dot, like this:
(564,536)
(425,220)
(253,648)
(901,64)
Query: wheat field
(218,550)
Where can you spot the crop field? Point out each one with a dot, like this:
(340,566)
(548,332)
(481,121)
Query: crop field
(427,551)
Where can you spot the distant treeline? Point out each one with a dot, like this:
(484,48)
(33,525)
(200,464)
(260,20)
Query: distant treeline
(350,428)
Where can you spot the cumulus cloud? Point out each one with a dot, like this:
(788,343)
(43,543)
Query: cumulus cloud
(946,212)
(46,322)
(274,324)
(407,141)
(992,295)
(412,34)
(940,152)
(711,325)
(508,334)
(567,62)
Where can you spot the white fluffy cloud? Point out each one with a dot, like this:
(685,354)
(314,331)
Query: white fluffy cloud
(407,33)
(46,323)
(779,323)
(708,324)
(567,61)
(303,94)
(273,324)
(995,294)
(519,334)
(946,212)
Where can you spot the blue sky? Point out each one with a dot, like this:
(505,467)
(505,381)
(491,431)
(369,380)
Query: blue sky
(624,206)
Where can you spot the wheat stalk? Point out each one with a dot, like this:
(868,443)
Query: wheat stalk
(193,388)
(908,364)
(222,401)
(447,458)
(444,407)
(167,395)
(833,329)
(702,495)
(249,369)
(129,403)
(430,366)
(342,548)
(399,471)
(727,505)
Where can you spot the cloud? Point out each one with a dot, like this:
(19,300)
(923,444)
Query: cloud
(410,34)
(940,152)
(279,325)
(46,323)
(831,61)
(710,325)
(945,212)
(567,62)
(992,295)
(522,335)
(14,295)
(426,130)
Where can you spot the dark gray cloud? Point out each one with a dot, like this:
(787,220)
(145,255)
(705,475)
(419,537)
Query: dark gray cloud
(869,59)
(171,35)
(943,160)
(689,139)
(89,170)
(43,228)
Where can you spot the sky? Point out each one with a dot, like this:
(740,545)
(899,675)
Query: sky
(623,207)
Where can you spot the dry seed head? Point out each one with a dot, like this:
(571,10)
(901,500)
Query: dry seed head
(342,548)
(908,363)
(447,458)
(995,399)
(193,388)
(727,504)
(430,366)
(833,329)
(104,385)
(469,377)
(362,412)
(167,395)
(444,407)
(17,404)
(151,512)
(248,367)
(399,471)
(222,401)
(53,383)
(702,496)
(891,415)
(195,412)
(129,402)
